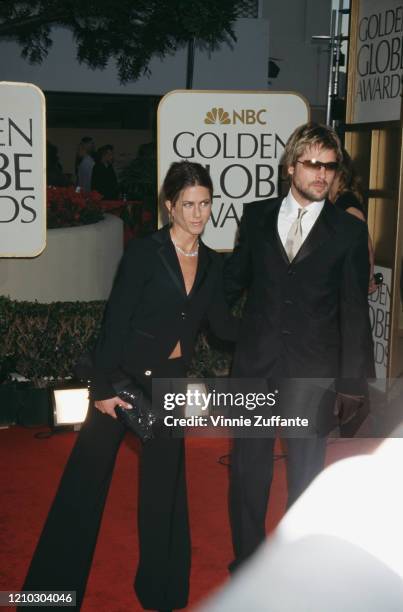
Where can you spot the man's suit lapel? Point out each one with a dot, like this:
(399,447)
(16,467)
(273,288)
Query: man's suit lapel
(270,229)
(319,234)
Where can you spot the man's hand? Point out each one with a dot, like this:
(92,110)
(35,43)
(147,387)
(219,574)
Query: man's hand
(346,406)
(108,406)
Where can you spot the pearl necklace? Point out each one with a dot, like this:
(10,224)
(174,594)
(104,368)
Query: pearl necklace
(186,253)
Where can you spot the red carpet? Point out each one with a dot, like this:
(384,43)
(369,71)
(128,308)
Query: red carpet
(31,469)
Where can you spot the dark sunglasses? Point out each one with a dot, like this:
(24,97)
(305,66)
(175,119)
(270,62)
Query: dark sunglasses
(314,164)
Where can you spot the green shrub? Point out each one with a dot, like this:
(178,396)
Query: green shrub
(42,341)
(45,340)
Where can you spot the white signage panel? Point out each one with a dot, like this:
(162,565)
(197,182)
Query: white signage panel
(379,61)
(379,312)
(22,170)
(239,137)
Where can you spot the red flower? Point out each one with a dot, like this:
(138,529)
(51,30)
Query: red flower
(67,207)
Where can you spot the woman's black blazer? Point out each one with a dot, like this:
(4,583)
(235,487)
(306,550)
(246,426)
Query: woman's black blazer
(149,311)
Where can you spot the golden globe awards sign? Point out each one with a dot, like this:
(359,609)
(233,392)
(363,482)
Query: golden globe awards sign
(239,137)
(379,61)
(379,314)
(22,170)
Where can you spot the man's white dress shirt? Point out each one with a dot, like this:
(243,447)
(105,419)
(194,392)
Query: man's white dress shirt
(289,212)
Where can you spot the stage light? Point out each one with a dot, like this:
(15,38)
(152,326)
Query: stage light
(69,406)
(195,405)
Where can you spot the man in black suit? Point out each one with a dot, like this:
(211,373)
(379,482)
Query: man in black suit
(305,265)
(104,178)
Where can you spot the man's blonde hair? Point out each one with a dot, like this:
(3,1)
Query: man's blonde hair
(310,135)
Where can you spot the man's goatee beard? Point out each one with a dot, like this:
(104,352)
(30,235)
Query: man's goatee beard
(307,195)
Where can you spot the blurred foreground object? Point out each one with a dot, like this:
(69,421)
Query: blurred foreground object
(338,548)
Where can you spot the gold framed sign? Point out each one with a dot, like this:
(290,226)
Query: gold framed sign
(22,170)
(239,136)
(376,61)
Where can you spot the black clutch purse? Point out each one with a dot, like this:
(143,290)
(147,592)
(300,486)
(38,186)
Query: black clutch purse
(140,419)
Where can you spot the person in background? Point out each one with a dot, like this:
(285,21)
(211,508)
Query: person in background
(54,171)
(345,194)
(103,175)
(85,163)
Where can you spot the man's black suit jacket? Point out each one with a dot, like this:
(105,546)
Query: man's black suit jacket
(149,311)
(308,318)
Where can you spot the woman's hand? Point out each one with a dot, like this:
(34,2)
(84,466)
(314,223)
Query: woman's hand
(107,406)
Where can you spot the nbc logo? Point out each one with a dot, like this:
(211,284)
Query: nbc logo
(248,116)
(217,115)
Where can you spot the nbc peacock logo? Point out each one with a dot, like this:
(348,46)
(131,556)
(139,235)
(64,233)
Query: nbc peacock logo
(247,116)
(217,115)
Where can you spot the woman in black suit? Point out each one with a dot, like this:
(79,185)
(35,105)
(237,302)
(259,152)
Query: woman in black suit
(167,283)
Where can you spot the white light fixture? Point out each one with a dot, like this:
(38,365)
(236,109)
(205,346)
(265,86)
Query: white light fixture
(69,406)
(196,407)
